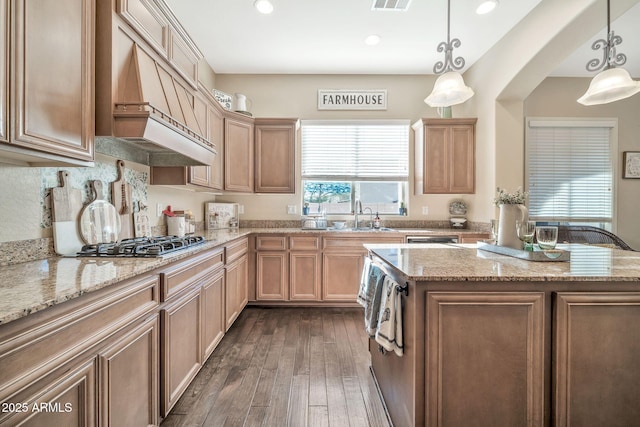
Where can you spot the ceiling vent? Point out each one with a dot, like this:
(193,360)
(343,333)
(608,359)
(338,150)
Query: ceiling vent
(390,4)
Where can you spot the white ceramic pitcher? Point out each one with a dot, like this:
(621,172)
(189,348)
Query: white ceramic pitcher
(509,214)
(241,103)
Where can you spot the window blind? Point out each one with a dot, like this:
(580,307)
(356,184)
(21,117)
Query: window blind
(570,171)
(355,150)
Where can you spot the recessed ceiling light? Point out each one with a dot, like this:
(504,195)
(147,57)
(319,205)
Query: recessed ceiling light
(263,6)
(486,6)
(372,40)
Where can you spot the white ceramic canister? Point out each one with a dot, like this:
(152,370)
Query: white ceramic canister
(176,226)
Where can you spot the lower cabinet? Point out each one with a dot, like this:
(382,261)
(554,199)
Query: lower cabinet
(236,295)
(342,262)
(129,377)
(597,359)
(66,397)
(305,276)
(213,318)
(485,344)
(181,356)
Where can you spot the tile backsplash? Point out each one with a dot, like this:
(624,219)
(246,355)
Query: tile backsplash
(25,194)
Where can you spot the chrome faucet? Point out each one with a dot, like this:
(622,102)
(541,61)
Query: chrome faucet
(359,211)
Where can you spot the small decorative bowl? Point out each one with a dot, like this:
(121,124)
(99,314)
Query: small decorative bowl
(338,225)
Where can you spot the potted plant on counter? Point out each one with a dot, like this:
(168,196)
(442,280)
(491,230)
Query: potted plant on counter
(512,209)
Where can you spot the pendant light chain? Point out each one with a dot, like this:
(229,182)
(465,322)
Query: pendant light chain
(449,63)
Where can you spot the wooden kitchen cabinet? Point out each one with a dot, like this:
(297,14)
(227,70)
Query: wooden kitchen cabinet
(236,280)
(272,268)
(445,156)
(342,262)
(596,340)
(305,268)
(238,153)
(275,145)
(47,83)
(129,377)
(181,356)
(475,345)
(213,318)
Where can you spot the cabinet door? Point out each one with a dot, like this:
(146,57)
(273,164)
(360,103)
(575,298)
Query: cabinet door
(181,356)
(213,320)
(272,278)
(305,276)
(4,70)
(462,159)
(597,349)
(341,273)
(52,77)
(67,397)
(275,155)
(436,160)
(129,378)
(486,350)
(238,155)
(216,135)
(236,293)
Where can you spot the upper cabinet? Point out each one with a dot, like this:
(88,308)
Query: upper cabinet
(275,141)
(445,156)
(238,153)
(47,82)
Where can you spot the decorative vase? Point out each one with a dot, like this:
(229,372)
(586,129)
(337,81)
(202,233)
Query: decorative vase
(509,214)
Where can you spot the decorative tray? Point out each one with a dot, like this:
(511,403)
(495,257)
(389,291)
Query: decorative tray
(536,255)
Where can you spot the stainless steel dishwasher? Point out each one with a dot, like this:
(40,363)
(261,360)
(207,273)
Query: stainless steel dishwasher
(433,239)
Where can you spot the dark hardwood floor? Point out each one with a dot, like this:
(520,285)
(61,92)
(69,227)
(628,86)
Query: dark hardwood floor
(286,367)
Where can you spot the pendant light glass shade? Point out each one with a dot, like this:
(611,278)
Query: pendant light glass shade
(610,85)
(449,90)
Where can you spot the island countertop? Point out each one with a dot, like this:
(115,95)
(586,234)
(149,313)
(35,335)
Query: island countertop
(464,262)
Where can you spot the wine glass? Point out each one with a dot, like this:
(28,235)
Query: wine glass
(495,223)
(525,231)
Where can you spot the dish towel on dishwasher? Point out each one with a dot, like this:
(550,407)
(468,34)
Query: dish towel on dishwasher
(389,329)
(370,295)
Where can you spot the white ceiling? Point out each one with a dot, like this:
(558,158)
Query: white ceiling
(327,37)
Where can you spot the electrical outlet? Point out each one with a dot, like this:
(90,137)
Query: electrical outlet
(291,209)
(425,210)
(240,209)
(159,209)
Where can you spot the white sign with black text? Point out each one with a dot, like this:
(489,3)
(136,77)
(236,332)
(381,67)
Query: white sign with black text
(344,99)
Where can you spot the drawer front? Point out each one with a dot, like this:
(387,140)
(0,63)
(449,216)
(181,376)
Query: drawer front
(355,243)
(271,243)
(236,249)
(185,273)
(304,243)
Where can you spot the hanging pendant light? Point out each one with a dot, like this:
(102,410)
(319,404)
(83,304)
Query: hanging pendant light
(449,88)
(611,84)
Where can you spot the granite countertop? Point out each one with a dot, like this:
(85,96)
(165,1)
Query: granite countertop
(35,285)
(464,262)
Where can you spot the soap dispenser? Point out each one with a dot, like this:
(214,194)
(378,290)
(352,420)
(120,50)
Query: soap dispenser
(376,221)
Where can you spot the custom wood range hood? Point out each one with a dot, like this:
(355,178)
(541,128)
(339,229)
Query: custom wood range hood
(144,103)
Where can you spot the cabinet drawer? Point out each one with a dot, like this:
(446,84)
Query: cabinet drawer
(271,243)
(355,243)
(304,243)
(236,249)
(183,274)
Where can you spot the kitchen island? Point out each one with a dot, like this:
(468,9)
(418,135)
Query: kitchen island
(495,340)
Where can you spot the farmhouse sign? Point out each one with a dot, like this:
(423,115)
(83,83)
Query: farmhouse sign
(344,99)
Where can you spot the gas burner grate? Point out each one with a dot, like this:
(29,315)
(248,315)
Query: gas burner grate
(141,247)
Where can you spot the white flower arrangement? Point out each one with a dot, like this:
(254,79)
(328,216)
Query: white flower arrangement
(505,198)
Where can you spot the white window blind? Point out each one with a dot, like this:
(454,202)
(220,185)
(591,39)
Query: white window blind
(362,151)
(570,171)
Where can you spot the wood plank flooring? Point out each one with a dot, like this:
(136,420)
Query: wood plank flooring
(286,367)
